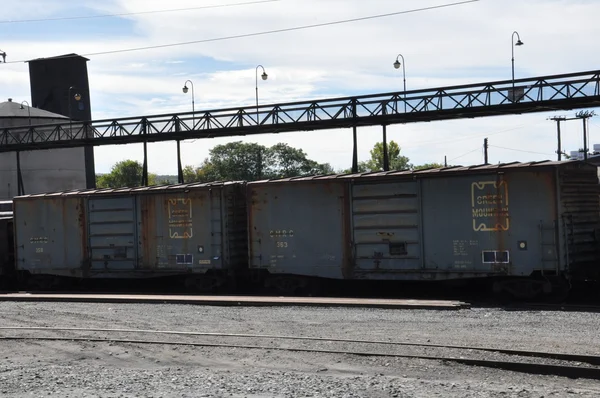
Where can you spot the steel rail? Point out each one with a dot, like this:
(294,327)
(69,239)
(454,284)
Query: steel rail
(522,367)
(591,359)
(537,94)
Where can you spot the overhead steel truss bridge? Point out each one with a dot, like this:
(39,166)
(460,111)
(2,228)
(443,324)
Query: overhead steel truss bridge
(538,94)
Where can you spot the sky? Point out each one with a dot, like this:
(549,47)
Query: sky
(467,43)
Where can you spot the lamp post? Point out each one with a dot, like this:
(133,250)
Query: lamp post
(185,90)
(77,97)
(512,47)
(397,65)
(264,76)
(180,179)
(28,110)
(20,188)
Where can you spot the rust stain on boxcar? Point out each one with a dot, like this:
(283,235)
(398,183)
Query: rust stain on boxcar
(501,218)
(86,263)
(254,234)
(347,245)
(147,231)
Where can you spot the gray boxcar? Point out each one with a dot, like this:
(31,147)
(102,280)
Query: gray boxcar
(194,229)
(519,219)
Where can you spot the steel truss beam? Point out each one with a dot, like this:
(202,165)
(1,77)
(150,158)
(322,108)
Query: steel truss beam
(540,94)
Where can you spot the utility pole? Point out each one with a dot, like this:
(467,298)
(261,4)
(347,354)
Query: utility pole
(485,150)
(558,119)
(584,116)
(445,161)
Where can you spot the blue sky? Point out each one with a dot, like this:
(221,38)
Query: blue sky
(463,44)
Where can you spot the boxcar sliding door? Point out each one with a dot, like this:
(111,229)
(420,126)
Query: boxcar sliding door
(112,233)
(385,219)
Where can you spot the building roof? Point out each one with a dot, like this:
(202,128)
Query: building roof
(134,190)
(10,109)
(432,172)
(72,55)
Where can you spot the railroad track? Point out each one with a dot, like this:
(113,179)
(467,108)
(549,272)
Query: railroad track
(567,365)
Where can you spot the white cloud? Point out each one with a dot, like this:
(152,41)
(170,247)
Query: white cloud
(463,44)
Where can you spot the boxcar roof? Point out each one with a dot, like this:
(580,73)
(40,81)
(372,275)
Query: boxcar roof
(432,172)
(121,191)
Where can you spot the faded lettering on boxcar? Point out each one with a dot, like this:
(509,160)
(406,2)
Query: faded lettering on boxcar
(180,218)
(489,203)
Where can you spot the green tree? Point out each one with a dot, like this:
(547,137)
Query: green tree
(126,173)
(203,173)
(287,161)
(428,166)
(397,161)
(251,161)
(237,161)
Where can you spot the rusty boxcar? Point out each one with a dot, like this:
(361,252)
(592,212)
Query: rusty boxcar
(198,230)
(527,226)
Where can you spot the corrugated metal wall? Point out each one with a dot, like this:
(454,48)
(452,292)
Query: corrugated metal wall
(580,219)
(386,221)
(112,233)
(235,225)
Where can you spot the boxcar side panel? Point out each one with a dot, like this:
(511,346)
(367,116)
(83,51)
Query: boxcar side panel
(51,236)
(180,231)
(495,224)
(298,228)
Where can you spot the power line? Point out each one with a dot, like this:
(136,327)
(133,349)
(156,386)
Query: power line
(464,154)
(134,13)
(266,32)
(518,150)
(420,143)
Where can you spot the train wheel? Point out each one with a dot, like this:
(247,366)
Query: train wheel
(202,284)
(521,289)
(286,285)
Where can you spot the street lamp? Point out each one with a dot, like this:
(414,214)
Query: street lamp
(28,110)
(264,76)
(20,189)
(185,90)
(397,65)
(77,97)
(512,47)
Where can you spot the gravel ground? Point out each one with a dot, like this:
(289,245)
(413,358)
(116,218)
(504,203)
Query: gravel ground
(78,369)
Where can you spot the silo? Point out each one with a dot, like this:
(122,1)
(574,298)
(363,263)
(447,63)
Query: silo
(60,85)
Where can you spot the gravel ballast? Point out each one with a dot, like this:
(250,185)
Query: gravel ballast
(77,369)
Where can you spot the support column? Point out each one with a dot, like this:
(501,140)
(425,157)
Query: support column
(90,167)
(386,158)
(20,187)
(485,150)
(179,168)
(355,140)
(145,167)
(354,151)
(558,150)
(585,148)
